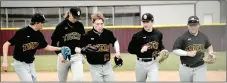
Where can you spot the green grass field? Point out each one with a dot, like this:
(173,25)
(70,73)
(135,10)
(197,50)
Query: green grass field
(48,63)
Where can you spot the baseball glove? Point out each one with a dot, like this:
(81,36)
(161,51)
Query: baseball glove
(163,55)
(118,62)
(210,59)
(89,48)
(66,52)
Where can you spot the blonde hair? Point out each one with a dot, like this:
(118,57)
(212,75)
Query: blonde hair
(66,15)
(96,16)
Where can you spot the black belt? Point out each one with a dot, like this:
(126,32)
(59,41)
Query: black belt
(194,65)
(28,62)
(146,59)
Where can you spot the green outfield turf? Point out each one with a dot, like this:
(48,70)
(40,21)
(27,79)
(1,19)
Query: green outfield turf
(48,63)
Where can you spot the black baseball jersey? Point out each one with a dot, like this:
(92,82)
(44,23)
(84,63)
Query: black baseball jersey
(68,34)
(26,42)
(152,39)
(102,42)
(189,42)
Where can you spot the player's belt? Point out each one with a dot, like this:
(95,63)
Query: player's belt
(28,62)
(194,65)
(146,59)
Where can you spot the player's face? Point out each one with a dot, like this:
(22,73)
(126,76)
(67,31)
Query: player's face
(147,25)
(193,29)
(39,26)
(71,19)
(98,25)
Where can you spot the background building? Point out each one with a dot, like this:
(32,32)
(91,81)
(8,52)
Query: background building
(17,13)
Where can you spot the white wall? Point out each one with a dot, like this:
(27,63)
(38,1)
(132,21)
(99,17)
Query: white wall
(82,3)
(169,14)
(208,7)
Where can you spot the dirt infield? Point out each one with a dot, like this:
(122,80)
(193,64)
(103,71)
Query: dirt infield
(120,76)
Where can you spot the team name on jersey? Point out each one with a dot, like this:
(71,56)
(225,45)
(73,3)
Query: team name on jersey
(30,46)
(102,47)
(197,47)
(72,36)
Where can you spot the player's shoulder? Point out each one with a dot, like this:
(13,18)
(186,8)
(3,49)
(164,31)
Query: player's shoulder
(89,32)
(23,29)
(182,36)
(138,34)
(202,35)
(61,24)
(79,23)
(107,31)
(157,31)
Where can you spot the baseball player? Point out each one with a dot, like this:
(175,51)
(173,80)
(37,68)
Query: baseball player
(99,60)
(26,41)
(68,33)
(147,44)
(190,46)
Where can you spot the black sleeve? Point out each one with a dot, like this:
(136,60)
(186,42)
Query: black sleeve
(56,37)
(82,40)
(207,42)
(134,47)
(112,38)
(42,43)
(85,40)
(178,43)
(82,29)
(15,38)
(161,46)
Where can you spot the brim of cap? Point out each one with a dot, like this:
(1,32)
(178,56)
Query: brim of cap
(45,21)
(41,21)
(192,24)
(146,20)
(76,17)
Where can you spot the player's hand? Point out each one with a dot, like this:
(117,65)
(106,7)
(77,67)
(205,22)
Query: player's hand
(5,66)
(192,53)
(144,48)
(78,50)
(117,54)
(212,54)
(62,58)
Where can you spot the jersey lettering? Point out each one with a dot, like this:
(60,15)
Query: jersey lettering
(30,46)
(72,36)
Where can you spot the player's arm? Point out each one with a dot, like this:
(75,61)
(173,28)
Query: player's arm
(5,51)
(11,42)
(44,45)
(117,48)
(133,47)
(55,37)
(208,46)
(115,43)
(82,41)
(52,48)
(210,49)
(161,46)
(177,47)
(5,54)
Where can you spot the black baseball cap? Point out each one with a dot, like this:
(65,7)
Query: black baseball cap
(193,20)
(147,17)
(76,12)
(38,17)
